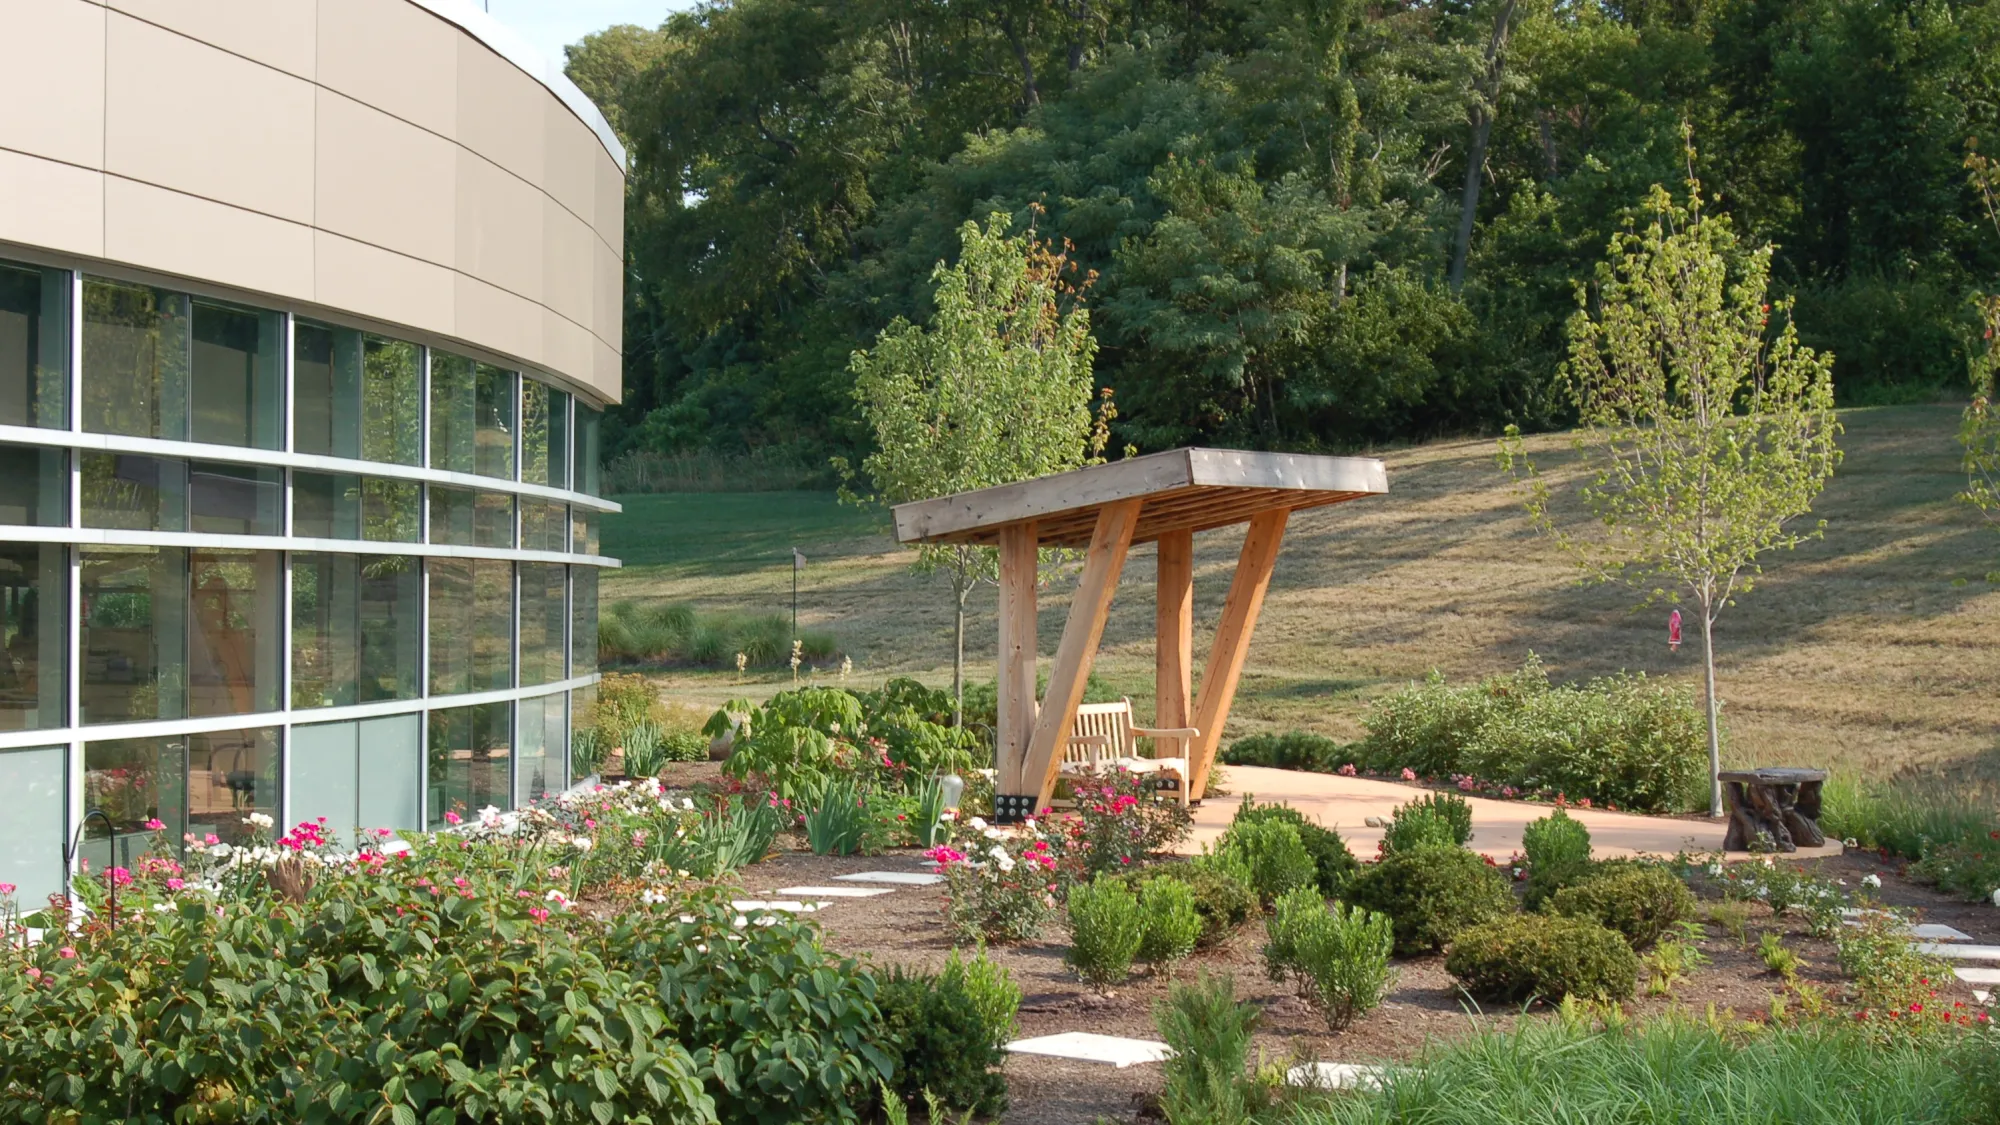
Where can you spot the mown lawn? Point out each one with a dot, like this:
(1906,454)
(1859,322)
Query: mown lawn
(1878,646)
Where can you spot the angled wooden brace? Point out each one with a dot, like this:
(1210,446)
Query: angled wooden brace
(1232,641)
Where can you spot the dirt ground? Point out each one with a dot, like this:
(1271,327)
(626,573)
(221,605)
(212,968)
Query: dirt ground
(906,927)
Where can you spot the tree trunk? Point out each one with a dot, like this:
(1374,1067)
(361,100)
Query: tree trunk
(1714,714)
(958,657)
(1482,132)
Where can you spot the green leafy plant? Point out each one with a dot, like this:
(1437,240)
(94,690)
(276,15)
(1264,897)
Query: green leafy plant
(1293,750)
(1733,919)
(1333,864)
(1673,957)
(1431,894)
(1223,898)
(1118,823)
(991,987)
(929,828)
(1640,902)
(1777,956)
(1890,973)
(1106,931)
(1172,922)
(1208,1031)
(1270,854)
(949,1042)
(1454,810)
(1415,828)
(1337,957)
(1558,850)
(645,749)
(838,823)
(1543,955)
(1008,897)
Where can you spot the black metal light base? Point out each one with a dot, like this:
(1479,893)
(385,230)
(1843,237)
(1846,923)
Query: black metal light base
(1013,808)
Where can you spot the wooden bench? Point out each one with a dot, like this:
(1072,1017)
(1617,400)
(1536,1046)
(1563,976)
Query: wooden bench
(1779,805)
(1104,736)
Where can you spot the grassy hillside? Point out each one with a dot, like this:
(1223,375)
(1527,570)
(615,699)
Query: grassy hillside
(1878,646)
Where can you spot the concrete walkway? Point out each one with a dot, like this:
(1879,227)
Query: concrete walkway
(1346,803)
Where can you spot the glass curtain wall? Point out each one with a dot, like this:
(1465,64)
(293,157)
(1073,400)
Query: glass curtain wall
(471,625)
(34,486)
(471,751)
(538,751)
(34,347)
(544,614)
(544,435)
(356,394)
(465,517)
(349,506)
(34,617)
(362,777)
(166,365)
(200,785)
(36,782)
(583,621)
(472,416)
(170,633)
(356,635)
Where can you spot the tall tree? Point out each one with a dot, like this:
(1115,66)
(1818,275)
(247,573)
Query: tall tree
(998,389)
(1704,434)
(1485,106)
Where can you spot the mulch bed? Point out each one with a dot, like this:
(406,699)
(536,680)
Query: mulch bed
(906,927)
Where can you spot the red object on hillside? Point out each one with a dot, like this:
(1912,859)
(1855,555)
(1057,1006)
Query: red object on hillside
(1674,630)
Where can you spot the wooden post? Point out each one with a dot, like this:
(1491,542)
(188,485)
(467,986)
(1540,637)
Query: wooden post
(1018,560)
(1109,541)
(1173,629)
(1232,641)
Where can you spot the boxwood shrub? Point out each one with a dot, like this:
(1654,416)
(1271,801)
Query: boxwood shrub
(1543,955)
(1638,901)
(1333,864)
(1430,894)
(1222,896)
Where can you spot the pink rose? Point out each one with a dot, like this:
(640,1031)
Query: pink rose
(6,888)
(210,839)
(67,953)
(453,818)
(1409,774)
(176,884)
(154,824)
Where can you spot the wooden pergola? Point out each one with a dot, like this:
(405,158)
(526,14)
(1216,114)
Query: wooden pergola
(1163,498)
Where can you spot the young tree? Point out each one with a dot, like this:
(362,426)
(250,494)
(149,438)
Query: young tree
(998,389)
(1979,433)
(1704,433)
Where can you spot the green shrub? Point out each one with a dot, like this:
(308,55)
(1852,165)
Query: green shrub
(1105,931)
(1543,955)
(1208,1032)
(1222,895)
(990,986)
(1558,850)
(1172,923)
(1889,972)
(628,633)
(1271,855)
(1947,824)
(1777,956)
(1293,750)
(1333,864)
(1337,957)
(1414,828)
(1430,894)
(837,823)
(1426,727)
(1638,902)
(1451,808)
(685,746)
(949,1040)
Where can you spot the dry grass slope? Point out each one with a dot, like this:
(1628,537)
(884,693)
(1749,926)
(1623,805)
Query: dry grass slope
(1875,648)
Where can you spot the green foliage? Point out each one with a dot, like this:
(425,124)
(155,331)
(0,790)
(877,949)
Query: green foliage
(1208,1031)
(1120,822)
(915,722)
(1777,956)
(836,825)
(1673,958)
(1106,931)
(1173,924)
(1639,902)
(1545,956)
(1558,850)
(1946,824)
(1415,828)
(1889,972)
(949,1036)
(1293,750)
(994,994)
(1452,809)
(1270,855)
(1223,898)
(1337,957)
(1430,894)
(677,636)
(1333,864)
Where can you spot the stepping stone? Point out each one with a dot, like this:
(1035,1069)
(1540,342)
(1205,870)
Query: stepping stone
(900,878)
(1088,1047)
(836,892)
(1960,952)
(1978,976)
(1334,1076)
(1936,931)
(1983,996)
(787,907)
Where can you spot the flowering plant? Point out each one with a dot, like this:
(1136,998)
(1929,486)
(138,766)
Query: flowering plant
(1001,888)
(1118,824)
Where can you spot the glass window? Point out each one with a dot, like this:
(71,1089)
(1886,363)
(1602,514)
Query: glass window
(231,774)
(544,434)
(544,613)
(347,506)
(357,775)
(235,499)
(134,624)
(132,493)
(583,621)
(31,834)
(166,365)
(586,748)
(462,517)
(544,526)
(204,785)
(541,735)
(584,523)
(355,628)
(471,625)
(34,347)
(34,486)
(355,394)
(469,752)
(586,450)
(34,600)
(472,416)
(234,632)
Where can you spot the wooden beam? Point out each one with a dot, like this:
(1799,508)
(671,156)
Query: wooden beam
(1081,634)
(1232,641)
(1173,630)
(1018,560)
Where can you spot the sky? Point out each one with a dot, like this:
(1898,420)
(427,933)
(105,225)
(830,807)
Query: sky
(554,24)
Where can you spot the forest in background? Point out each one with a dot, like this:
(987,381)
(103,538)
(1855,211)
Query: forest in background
(1264,198)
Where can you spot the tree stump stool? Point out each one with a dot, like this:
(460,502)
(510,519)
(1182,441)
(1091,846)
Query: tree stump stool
(1778,806)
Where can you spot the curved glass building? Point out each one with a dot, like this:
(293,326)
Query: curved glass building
(308,312)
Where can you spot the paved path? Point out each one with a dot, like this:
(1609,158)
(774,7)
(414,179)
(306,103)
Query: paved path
(1345,803)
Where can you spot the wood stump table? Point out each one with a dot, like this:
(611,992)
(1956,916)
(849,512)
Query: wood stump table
(1778,805)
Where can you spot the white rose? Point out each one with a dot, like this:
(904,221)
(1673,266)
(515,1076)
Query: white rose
(977,824)
(581,843)
(1873,880)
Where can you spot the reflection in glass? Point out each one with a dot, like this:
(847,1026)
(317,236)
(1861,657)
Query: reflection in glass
(586,746)
(355,394)
(583,621)
(586,449)
(364,775)
(355,628)
(204,785)
(472,416)
(235,499)
(462,517)
(34,599)
(544,526)
(34,486)
(471,625)
(544,434)
(584,523)
(469,752)
(234,632)
(544,613)
(347,506)
(165,365)
(34,346)
(231,774)
(134,625)
(541,735)
(132,493)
